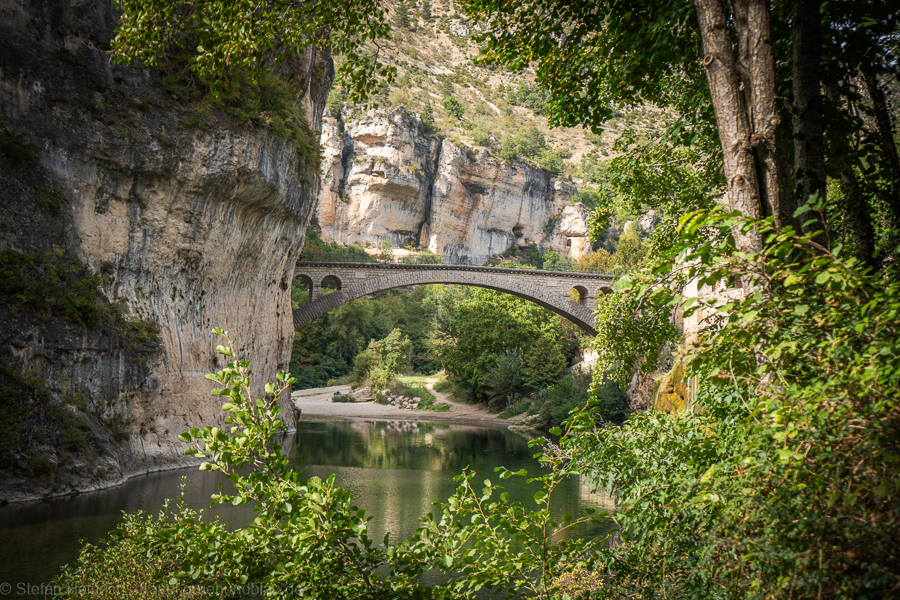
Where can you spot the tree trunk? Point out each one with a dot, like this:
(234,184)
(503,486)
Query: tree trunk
(858,214)
(756,67)
(731,118)
(886,131)
(809,132)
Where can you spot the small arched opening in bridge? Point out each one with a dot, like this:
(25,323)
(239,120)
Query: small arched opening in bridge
(579,294)
(603,291)
(301,290)
(330,284)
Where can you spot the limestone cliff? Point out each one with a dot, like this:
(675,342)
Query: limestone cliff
(376,181)
(192,222)
(385,178)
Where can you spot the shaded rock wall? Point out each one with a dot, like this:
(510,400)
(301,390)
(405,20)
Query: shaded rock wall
(192,227)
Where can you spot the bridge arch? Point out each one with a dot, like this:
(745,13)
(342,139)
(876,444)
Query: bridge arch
(546,288)
(582,293)
(336,281)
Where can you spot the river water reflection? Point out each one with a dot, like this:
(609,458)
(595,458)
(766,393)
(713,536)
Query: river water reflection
(395,470)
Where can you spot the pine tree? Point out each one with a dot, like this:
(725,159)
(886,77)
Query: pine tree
(428,116)
(447,87)
(401,16)
(425,11)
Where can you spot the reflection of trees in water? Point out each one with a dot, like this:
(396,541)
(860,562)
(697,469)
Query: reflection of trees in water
(416,464)
(404,445)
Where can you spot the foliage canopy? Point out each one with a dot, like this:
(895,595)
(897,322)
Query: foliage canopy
(225,37)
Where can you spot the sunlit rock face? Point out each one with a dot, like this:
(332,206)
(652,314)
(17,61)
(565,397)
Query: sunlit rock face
(376,181)
(569,234)
(385,179)
(190,226)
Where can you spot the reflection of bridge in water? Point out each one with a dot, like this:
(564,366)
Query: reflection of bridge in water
(550,289)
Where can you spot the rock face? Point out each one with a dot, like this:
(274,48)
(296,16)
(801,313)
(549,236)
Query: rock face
(192,228)
(376,179)
(569,234)
(385,179)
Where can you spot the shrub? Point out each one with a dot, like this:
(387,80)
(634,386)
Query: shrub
(506,380)
(363,365)
(40,464)
(554,404)
(55,283)
(445,386)
(453,107)
(381,377)
(130,567)
(780,482)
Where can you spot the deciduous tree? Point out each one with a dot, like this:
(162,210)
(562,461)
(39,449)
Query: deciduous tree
(742,72)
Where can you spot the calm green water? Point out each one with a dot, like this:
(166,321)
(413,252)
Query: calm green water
(395,470)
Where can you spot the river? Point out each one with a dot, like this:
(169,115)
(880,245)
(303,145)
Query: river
(395,470)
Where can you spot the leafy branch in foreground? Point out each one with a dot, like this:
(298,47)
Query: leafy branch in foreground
(308,536)
(496,543)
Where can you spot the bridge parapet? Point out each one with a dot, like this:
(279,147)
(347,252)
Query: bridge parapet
(550,289)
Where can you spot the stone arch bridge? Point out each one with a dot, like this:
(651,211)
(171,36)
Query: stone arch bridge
(550,289)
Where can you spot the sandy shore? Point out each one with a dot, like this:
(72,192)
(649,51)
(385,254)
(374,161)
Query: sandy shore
(316,405)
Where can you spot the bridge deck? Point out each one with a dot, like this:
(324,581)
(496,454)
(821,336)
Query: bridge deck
(476,269)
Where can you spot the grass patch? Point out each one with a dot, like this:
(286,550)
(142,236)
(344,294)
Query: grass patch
(415,380)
